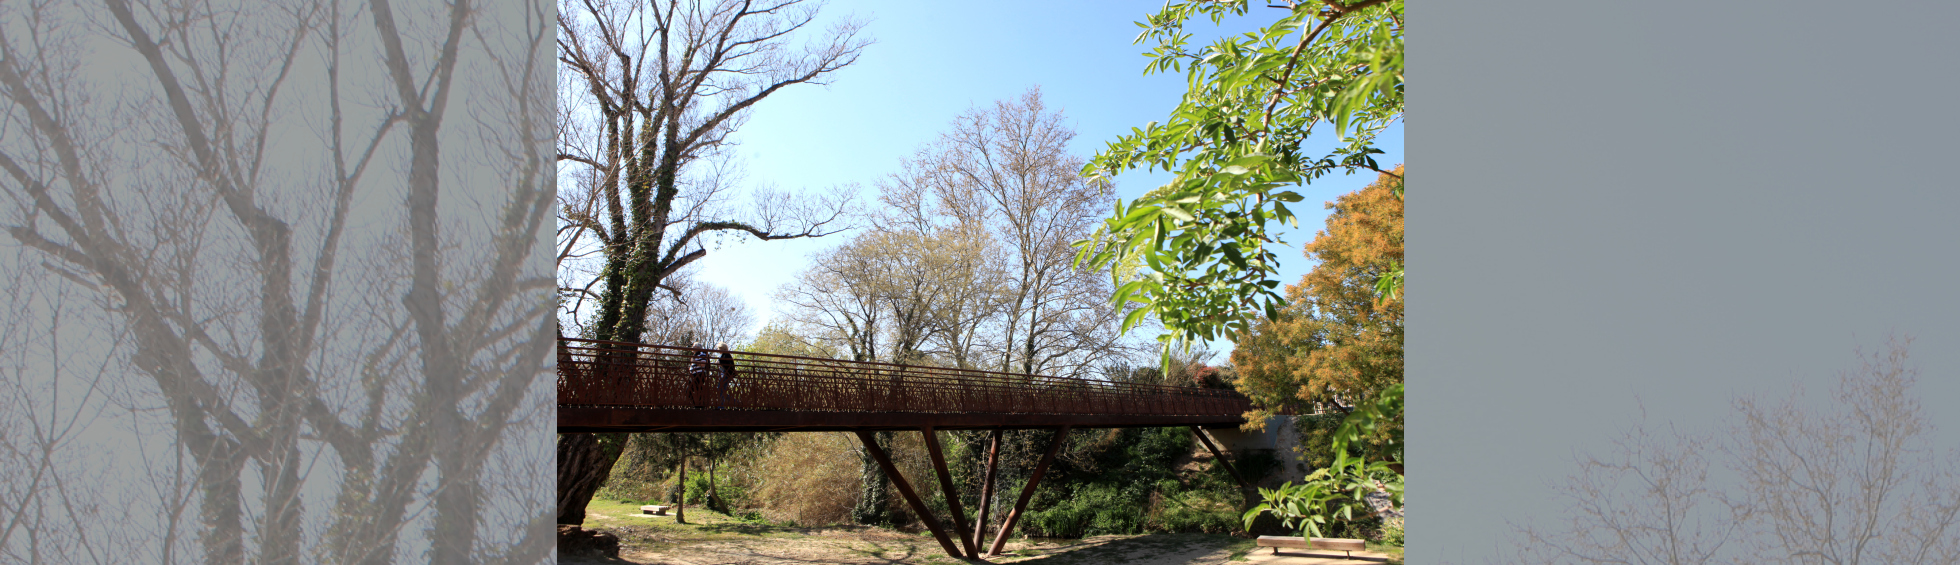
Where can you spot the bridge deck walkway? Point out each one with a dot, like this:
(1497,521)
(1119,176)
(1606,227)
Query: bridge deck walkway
(610,386)
(631,387)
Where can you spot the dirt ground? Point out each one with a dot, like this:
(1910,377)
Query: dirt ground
(714,539)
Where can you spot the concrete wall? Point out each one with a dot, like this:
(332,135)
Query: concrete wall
(1280,437)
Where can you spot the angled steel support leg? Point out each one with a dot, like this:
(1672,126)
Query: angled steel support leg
(1220,458)
(987,489)
(912,498)
(1020,504)
(946,488)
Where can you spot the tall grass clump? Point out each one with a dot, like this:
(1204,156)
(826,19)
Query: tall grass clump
(809,479)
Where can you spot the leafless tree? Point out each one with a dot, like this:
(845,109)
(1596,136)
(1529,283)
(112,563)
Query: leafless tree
(1648,502)
(698,314)
(971,256)
(300,341)
(656,89)
(836,302)
(659,86)
(1014,160)
(1854,480)
(961,261)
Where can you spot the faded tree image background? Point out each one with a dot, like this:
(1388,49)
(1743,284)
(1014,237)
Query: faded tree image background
(1850,476)
(279,286)
(1638,209)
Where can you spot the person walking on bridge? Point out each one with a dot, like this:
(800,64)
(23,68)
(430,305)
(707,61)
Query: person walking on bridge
(697,379)
(727,372)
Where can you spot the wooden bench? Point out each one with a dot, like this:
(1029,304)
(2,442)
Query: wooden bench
(1348,546)
(654,510)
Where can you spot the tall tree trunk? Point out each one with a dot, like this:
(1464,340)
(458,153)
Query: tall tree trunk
(218,479)
(584,462)
(282,506)
(654,78)
(680,503)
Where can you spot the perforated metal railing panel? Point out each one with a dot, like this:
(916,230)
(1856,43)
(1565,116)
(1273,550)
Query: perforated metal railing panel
(626,375)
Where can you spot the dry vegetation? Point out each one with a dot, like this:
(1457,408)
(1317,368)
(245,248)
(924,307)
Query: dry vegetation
(811,478)
(805,479)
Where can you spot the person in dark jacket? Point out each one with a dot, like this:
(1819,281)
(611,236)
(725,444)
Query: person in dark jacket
(727,372)
(697,379)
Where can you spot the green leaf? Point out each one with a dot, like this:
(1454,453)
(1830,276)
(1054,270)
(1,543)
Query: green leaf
(1134,317)
(1250,161)
(1232,254)
(1209,140)
(1123,292)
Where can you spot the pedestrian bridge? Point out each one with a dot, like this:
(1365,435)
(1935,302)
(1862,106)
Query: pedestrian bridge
(632,387)
(627,387)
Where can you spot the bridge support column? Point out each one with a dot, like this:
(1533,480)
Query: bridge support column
(1220,458)
(946,488)
(1020,504)
(912,498)
(987,490)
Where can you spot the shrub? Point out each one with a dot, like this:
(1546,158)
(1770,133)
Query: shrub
(808,479)
(1191,512)
(731,493)
(1095,509)
(1391,533)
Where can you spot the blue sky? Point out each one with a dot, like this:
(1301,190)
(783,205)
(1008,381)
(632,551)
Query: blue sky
(932,61)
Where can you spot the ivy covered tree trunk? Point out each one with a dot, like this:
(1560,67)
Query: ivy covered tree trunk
(703,79)
(584,462)
(874,492)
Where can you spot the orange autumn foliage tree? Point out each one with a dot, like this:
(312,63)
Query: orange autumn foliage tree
(1336,342)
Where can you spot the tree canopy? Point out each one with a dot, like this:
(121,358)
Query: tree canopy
(968,263)
(1335,342)
(1236,141)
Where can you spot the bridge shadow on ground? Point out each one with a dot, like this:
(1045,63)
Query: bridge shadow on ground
(749,528)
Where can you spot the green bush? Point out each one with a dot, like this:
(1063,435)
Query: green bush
(1193,512)
(732,494)
(1129,482)
(1095,509)
(1392,534)
(1367,529)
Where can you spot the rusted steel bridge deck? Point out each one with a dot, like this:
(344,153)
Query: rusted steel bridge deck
(630,387)
(626,387)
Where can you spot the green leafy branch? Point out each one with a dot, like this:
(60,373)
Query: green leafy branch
(1235,144)
(1337,491)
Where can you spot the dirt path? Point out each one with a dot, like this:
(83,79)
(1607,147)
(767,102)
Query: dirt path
(884,547)
(715,539)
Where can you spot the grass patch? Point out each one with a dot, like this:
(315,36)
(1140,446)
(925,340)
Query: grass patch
(1394,551)
(1240,547)
(656,533)
(748,528)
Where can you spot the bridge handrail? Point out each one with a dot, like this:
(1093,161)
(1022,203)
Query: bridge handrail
(798,382)
(914,371)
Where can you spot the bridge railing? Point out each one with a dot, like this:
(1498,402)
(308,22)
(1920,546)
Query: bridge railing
(601,373)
